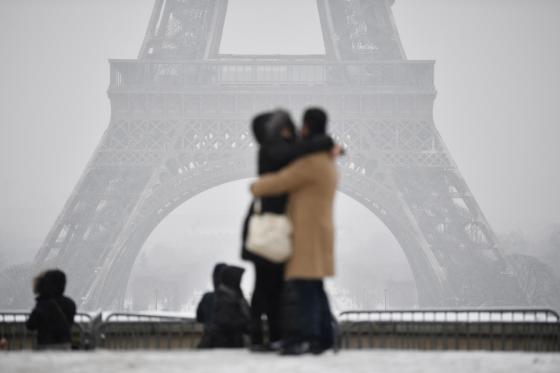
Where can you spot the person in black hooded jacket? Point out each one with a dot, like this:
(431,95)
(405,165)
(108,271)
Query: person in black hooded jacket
(53,315)
(205,309)
(231,321)
(276,135)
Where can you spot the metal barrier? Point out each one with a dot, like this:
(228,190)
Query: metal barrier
(459,329)
(436,329)
(17,337)
(455,315)
(143,331)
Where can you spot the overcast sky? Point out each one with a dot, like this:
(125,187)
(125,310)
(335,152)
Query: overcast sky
(497,107)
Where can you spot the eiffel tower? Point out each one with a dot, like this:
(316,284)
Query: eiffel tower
(179,125)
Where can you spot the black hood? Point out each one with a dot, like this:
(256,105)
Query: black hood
(216,274)
(279,120)
(259,126)
(231,277)
(51,284)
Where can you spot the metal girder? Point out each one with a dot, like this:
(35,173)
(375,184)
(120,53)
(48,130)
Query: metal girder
(183,29)
(360,29)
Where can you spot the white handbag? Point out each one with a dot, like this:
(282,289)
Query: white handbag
(269,235)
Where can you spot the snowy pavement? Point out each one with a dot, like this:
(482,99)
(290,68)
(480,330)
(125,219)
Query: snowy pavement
(229,361)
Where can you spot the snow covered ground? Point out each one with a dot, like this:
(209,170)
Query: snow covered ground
(229,361)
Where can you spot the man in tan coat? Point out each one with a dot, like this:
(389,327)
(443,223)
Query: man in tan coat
(311,184)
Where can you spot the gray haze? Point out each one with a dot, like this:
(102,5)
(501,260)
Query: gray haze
(497,110)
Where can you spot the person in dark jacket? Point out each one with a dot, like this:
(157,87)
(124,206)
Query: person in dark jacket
(231,321)
(53,315)
(205,309)
(276,135)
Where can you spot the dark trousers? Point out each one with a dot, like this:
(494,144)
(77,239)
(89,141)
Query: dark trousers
(266,300)
(316,317)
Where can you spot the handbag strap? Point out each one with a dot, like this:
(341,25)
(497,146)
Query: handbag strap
(61,313)
(257,206)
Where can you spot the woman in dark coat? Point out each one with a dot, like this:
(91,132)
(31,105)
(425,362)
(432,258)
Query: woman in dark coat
(53,315)
(276,135)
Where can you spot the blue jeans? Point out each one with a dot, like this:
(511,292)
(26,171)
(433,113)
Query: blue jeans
(315,312)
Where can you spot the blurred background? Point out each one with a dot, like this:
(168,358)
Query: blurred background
(497,110)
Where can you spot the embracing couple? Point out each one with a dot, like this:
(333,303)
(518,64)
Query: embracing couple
(298,177)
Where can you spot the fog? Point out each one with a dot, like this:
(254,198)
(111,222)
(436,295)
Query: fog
(497,110)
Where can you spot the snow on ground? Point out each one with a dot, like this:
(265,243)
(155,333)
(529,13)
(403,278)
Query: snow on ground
(231,361)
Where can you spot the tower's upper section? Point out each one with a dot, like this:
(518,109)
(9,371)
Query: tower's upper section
(352,30)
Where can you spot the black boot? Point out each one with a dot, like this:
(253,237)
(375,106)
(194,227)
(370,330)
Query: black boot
(295,349)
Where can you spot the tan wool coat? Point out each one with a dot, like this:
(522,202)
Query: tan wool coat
(311,184)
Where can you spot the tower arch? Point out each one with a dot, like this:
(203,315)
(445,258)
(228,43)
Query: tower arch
(179,125)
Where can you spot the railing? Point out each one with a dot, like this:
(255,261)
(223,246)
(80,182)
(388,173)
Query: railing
(165,75)
(459,329)
(143,331)
(16,336)
(454,315)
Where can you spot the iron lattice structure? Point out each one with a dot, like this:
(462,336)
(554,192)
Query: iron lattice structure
(179,125)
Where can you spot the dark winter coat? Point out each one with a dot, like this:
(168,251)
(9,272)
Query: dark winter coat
(231,322)
(52,318)
(276,153)
(205,309)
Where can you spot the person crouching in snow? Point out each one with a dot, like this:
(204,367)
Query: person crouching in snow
(231,322)
(205,309)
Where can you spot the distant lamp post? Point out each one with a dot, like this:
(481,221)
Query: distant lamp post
(156,299)
(385,295)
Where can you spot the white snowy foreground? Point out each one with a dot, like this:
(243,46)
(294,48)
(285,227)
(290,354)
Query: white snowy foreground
(229,361)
